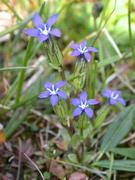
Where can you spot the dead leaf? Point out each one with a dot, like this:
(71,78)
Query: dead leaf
(57,169)
(61,144)
(78,176)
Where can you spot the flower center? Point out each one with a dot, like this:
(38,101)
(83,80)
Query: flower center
(114,96)
(83,105)
(82,50)
(53,91)
(44,30)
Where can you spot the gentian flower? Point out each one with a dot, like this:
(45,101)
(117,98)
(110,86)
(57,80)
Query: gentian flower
(113,96)
(54,92)
(42,30)
(82,51)
(82,105)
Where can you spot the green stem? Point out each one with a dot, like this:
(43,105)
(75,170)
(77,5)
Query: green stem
(94,80)
(130,29)
(22,73)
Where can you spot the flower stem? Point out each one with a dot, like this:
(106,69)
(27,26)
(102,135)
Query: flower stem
(22,73)
(94,80)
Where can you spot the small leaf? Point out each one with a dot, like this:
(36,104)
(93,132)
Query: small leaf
(72,158)
(118,129)
(65,135)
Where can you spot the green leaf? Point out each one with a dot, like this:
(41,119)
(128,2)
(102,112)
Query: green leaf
(72,158)
(101,117)
(127,152)
(121,125)
(18,118)
(122,165)
(65,135)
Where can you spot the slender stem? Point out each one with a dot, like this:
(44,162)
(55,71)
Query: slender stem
(22,74)
(82,127)
(95,79)
(130,29)
(34,165)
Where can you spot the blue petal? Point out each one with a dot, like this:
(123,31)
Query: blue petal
(87,56)
(112,101)
(106,93)
(77,111)
(122,101)
(42,38)
(74,46)
(83,96)
(48,85)
(75,101)
(83,44)
(62,94)
(89,112)
(93,101)
(44,94)
(54,100)
(37,21)
(92,49)
(31,32)
(60,84)
(52,19)
(55,32)
(75,53)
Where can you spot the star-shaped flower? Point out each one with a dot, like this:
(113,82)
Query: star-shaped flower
(42,30)
(113,96)
(54,92)
(82,105)
(82,51)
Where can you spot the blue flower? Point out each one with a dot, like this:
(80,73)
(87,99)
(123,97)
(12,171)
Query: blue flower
(82,51)
(82,105)
(113,96)
(54,92)
(43,31)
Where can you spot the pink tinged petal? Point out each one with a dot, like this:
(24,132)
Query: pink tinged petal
(83,44)
(37,20)
(83,96)
(87,56)
(89,112)
(54,100)
(60,84)
(106,93)
(55,32)
(52,19)
(122,101)
(77,111)
(31,32)
(93,102)
(45,94)
(112,102)
(48,85)
(75,101)
(62,94)
(75,53)
(92,49)
(42,38)
(74,46)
